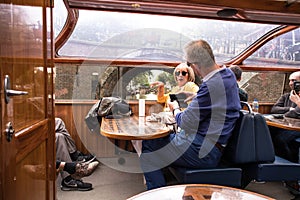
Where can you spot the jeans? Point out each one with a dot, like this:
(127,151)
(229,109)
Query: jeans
(285,143)
(182,150)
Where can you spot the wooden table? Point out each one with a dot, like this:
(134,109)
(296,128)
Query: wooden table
(285,123)
(133,128)
(198,192)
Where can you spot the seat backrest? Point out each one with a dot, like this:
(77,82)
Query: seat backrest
(251,141)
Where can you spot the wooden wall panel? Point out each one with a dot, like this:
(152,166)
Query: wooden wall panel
(73,114)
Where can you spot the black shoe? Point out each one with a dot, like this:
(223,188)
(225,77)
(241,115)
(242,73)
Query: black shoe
(74,184)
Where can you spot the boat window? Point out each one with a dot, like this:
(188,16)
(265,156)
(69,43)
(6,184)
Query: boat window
(95,81)
(282,50)
(116,35)
(264,86)
(59,17)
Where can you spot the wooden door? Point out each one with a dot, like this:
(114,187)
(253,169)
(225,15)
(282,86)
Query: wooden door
(27,169)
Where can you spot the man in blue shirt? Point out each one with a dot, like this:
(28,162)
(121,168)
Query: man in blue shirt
(206,124)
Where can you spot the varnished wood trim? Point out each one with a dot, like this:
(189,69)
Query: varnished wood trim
(141,63)
(258,5)
(277,12)
(283,126)
(68,28)
(126,63)
(27,140)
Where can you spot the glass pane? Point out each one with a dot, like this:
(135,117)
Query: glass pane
(264,86)
(21,52)
(100,34)
(94,81)
(59,17)
(282,50)
(21,32)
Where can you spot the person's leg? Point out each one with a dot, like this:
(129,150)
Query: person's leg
(62,153)
(150,163)
(68,182)
(75,155)
(293,145)
(77,170)
(176,150)
(285,146)
(60,127)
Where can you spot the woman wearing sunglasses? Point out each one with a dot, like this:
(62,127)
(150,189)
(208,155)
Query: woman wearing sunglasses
(184,77)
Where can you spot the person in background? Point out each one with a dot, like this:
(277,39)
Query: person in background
(66,151)
(285,140)
(184,77)
(61,133)
(238,75)
(77,170)
(206,124)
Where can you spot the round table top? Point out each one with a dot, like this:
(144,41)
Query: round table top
(198,192)
(133,128)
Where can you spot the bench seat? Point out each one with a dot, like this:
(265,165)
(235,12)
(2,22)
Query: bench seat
(280,170)
(249,156)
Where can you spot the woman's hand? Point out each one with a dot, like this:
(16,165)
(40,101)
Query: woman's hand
(157,84)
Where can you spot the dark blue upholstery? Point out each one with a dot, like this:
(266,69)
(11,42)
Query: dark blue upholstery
(280,170)
(249,141)
(219,176)
(226,174)
(248,156)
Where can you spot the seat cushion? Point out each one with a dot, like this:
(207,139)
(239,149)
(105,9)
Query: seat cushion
(280,170)
(219,176)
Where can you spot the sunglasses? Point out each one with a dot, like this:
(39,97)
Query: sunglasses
(183,73)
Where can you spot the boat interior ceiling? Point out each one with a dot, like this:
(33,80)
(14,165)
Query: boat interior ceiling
(259,11)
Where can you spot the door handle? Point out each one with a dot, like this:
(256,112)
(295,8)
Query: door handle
(9,131)
(8,92)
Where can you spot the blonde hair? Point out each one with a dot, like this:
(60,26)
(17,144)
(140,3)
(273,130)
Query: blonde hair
(191,73)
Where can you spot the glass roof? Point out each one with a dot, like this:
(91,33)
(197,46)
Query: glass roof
(115,35)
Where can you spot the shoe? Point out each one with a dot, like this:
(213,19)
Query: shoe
(85,169)
(85,157)
(74,184)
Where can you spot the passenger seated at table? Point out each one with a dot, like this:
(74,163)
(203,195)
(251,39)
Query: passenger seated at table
(206,124)
(66,151)
(285,140)
(238,75)
(184,77)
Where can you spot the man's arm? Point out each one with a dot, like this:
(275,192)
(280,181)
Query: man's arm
(280,106)
(295,113)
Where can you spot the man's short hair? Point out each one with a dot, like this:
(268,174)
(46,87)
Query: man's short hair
(237,71)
